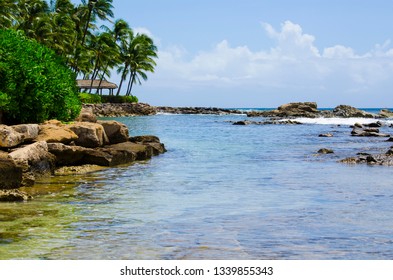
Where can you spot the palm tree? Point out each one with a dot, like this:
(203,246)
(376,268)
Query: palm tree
(32,18)
(106,54)
(8,13)
(138,54)
(120,32)
(93,9)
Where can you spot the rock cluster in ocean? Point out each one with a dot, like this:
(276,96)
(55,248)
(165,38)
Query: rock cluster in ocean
(30,151)
(310,110)
(197,110)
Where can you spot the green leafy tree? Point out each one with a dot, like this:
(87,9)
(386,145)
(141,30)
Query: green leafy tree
(36,83)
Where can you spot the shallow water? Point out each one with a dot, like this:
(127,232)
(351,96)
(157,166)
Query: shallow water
(220,192)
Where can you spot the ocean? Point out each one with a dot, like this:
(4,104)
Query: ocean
(220,192)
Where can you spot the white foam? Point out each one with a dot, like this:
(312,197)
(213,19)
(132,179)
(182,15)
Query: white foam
(341,121)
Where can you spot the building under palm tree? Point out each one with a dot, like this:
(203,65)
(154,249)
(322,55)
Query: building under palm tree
(97,85)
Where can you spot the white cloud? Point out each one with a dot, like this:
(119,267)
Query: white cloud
(339,52)
(291,41)
(294,64)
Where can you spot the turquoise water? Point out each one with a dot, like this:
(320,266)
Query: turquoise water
(220,192)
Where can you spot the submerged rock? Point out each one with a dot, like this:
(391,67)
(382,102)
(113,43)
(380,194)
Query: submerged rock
(325,151)
(385,159)
(325,135)
(368,132)
(13,195)
(77,170)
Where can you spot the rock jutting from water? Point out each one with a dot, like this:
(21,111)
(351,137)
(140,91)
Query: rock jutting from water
(197,110)
(385,159)
(35,150)
(310,110)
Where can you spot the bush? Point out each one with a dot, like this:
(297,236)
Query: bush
(88,98)
(119,99)
(36,85)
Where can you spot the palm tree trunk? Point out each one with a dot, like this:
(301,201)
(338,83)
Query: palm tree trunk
(130,84)
(122,79)
(93,77)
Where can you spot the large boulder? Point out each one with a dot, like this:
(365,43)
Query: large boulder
(35,161)
(129,149)
(87,115)
(345,111)
(76,155)
(367,132)
(117,132)
(107,156)
(55,133)
(294,109)
(385,113)
(299,109)
(29,131)
(90,135)
(152,141)
(9,137)
(10,174)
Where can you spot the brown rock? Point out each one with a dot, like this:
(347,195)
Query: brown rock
(385,113)
(10,174)
(77,170)
(325,151)
(53,133)
(35,161)
(13,196)
(87,115)
(76,155)
(90,135)
(9,137)
(139,151)
(29,131)
(326,135)
(36,155)
(117,132)
(346,111)
(152,141)
(145,139)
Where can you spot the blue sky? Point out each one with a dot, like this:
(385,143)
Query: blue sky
(263,53)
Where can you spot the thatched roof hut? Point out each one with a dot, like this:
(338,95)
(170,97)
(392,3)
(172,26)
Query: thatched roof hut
(86,85)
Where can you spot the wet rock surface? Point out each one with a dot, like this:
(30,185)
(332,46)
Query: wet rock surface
(32,151)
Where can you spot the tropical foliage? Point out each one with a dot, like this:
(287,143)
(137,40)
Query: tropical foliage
(72,31)
(36,85)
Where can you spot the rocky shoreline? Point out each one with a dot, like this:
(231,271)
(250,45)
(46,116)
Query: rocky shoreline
(290,110)
(120,109)
(31,151)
